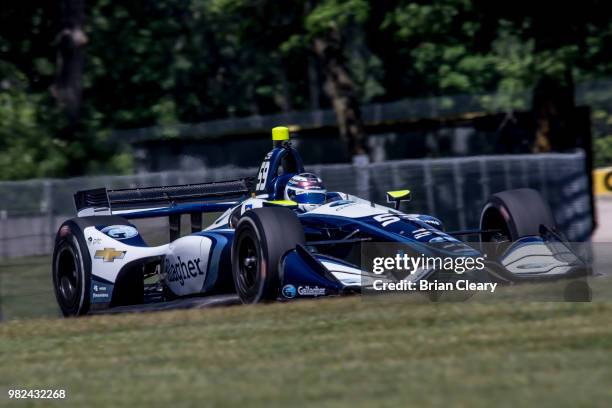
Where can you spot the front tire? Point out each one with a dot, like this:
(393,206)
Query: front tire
(262,237)
(516,214)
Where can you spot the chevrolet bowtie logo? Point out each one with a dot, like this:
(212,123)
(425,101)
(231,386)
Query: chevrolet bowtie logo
(109,254)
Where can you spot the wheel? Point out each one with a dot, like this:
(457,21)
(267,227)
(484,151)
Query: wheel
(71,269)
(262,237)
(516,214)
(71,276)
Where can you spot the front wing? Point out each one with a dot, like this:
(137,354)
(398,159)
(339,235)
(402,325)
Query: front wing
(307,275)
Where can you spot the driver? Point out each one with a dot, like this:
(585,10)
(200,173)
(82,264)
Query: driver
(307,190)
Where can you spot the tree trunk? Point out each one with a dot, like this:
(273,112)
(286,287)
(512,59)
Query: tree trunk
(340,88)
(284,99)
(313,84)
(554,111)
(68,85)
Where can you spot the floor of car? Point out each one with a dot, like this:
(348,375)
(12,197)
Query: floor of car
(187,303)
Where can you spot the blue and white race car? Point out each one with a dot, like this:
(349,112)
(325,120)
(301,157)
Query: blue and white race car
(281,235)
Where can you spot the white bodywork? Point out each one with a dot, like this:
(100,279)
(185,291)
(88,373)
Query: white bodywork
(108,270)
(184,266)
(534,258)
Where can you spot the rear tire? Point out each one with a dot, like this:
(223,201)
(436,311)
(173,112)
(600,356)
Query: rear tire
(71,268)
(262,237)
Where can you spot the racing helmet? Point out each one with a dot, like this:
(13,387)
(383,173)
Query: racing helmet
(307,190)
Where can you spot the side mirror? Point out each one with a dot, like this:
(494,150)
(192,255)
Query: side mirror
(398,197)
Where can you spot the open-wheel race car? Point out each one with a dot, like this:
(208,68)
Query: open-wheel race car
(281,235)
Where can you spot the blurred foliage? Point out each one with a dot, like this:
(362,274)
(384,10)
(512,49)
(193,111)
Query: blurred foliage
(179,61)
(25,146)
(462,46)
(602,141)
(602,147)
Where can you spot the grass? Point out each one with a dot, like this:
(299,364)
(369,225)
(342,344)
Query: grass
(26,290)
(334,352)
(329,352)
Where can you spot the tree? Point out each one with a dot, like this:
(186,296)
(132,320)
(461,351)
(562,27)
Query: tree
(167,62)
(70,59)
(68,86)
(326,25)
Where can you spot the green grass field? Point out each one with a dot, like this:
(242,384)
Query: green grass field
(25,288)
(333,352)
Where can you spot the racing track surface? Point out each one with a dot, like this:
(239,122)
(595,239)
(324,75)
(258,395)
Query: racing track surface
(603,207)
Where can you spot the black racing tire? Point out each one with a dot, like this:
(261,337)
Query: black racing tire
(262,237)
(517,213)
(71,268)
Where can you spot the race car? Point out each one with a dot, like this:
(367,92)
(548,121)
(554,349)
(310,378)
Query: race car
(282,236)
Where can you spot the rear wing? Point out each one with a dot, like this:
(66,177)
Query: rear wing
(165,200)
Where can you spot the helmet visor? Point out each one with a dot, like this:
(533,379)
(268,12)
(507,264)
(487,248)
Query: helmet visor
(309,198)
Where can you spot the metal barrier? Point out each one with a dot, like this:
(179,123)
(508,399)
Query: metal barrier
(453,189)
